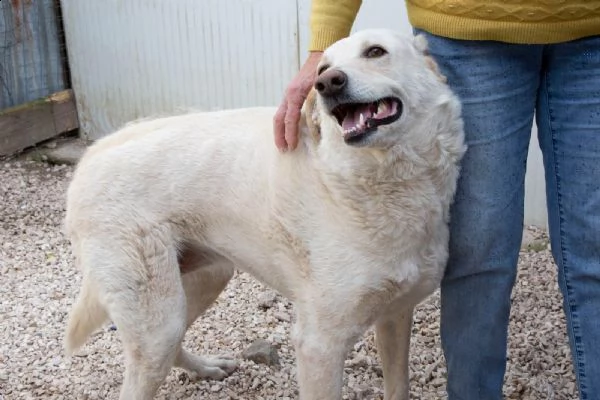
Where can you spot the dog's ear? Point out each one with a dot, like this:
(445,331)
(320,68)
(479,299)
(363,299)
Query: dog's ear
(311,115)
(420,42)
(422,45)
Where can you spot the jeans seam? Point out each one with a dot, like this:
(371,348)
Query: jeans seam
(579,358)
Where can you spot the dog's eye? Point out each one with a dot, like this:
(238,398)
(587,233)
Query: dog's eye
(322,69)
(375,52)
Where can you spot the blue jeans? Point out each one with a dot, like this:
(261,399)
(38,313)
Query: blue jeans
(502,86)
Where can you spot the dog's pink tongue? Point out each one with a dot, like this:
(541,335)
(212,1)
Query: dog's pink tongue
(352,119)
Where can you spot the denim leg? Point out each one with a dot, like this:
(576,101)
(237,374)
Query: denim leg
(569,134)
(497,84)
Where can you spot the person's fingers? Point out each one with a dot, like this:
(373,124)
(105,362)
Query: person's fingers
(279,126)
(291,120)
(287,116)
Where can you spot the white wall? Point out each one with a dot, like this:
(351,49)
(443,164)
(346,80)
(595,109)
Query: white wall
(136,58)
(535,187)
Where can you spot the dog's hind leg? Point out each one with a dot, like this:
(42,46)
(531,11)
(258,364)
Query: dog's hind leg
(202,286)
(392,334)
(141,289)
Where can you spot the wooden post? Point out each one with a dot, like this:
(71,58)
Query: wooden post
(30,123)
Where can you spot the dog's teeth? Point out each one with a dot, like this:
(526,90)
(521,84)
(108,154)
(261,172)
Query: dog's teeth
(381,107)
(361,119)
(351,131)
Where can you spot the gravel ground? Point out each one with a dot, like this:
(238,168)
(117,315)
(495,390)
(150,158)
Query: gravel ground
(38,283)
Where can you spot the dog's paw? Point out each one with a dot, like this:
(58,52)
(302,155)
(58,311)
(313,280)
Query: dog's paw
(226,363)
(217,368)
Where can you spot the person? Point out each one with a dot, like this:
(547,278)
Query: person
(507,61)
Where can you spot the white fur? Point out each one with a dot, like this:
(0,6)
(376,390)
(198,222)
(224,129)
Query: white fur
(353,235)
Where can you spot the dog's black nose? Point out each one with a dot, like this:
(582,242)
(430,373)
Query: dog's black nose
(331,83)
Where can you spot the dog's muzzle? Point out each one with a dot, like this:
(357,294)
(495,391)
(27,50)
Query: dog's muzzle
(357,119)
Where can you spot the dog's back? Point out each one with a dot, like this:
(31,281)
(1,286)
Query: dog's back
(163,156)
(170,169)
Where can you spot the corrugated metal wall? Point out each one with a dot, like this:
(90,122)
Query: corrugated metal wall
(31,64)
(135,58)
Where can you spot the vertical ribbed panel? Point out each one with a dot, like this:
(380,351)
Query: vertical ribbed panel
(137,58)
(31,65)
(536,211)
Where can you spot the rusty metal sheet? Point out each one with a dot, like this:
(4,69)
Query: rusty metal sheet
(31,62)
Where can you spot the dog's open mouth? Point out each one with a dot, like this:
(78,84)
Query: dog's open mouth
(360,119)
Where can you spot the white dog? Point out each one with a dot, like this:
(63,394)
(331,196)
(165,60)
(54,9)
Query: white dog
(352,226)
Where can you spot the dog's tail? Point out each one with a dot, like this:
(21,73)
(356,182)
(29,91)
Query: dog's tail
(86,315)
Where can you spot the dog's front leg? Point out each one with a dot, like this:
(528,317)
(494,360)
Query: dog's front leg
(320,351)
(392,334)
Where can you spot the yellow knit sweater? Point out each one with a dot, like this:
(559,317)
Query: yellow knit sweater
(513,21)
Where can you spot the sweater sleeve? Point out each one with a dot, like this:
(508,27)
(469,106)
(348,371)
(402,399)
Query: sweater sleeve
(330,21)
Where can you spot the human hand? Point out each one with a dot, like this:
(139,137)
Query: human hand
(287,117)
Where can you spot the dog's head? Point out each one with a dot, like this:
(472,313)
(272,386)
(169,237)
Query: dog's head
(371,82)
